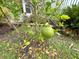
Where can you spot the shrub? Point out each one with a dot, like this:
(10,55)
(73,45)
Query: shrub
(73,13)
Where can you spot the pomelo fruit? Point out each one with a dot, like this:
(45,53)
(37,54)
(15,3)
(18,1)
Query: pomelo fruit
(47,32)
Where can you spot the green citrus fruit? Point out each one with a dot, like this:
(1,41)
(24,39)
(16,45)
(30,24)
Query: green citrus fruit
(47,32)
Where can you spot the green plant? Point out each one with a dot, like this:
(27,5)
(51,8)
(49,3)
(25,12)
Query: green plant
(73,13)
(12,6)
(4,11)
(64,17)
(42,13)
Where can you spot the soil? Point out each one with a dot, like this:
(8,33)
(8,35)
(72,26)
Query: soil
(4,31)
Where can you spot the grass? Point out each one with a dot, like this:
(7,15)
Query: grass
(65,47)
(62,45)
(8,50)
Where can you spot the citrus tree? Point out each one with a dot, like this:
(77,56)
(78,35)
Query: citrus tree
(42,14)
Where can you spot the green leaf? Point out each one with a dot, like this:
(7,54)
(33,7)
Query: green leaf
(34,2)
(30,32)
(61,24)
(58,3)
(26,42)
(64,17)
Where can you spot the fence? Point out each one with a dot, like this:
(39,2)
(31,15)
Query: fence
(69,3)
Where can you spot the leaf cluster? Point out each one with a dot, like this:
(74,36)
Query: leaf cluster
(12,6)
(73,13)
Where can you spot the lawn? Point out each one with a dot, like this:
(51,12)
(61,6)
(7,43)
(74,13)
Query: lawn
(60,47)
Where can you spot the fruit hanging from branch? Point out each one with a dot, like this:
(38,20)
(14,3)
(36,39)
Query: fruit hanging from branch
(47,32)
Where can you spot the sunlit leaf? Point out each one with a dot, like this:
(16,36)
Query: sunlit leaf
(26,42)
(64,17)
